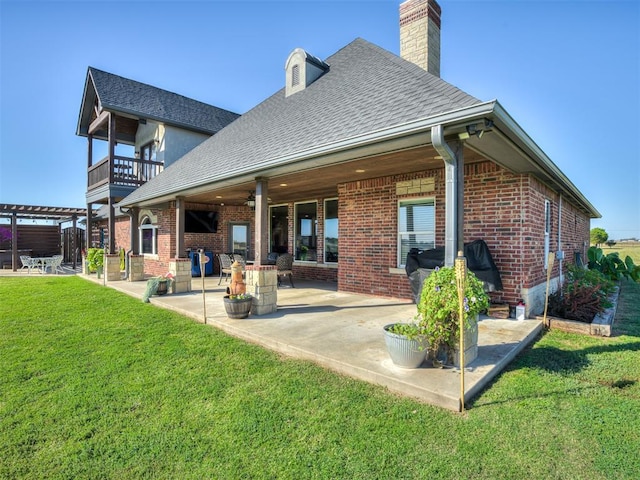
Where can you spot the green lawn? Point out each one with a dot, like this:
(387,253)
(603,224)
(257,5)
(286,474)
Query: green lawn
(95,384)
(624,248)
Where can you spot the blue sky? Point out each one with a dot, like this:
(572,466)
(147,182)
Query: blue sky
(567,71)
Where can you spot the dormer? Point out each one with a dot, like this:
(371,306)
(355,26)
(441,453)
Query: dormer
(302,69)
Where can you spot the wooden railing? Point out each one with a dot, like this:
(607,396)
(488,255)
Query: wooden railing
(126,171)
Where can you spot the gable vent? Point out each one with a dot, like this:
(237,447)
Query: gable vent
(302,69)
(295,75)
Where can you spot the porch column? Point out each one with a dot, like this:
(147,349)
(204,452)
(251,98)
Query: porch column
(261,221)
(87,239)
(89,226)
(180,214)
(133,230)
(111,246)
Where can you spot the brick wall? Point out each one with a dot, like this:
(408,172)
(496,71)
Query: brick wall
(503,209)
(123,233)
(506,210)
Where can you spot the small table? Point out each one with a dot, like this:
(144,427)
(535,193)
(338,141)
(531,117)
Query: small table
(44,263)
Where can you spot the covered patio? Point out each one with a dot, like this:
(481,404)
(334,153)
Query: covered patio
(343,332)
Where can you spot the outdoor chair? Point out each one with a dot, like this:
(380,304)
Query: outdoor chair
(272,258)
(236,257)
(225,262)
(29,263)
(284,263)
(56,264)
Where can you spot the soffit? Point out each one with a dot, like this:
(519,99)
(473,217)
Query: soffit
(322,182)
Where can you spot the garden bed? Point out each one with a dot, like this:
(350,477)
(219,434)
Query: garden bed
(600,326)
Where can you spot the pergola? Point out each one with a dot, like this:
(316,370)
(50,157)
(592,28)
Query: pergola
(32,212)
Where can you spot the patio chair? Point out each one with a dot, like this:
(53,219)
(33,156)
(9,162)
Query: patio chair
(225,262)
(236,257)
(284,263)
(56,264)
(272,258)
(29,263)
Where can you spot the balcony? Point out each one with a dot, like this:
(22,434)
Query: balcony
(125,175)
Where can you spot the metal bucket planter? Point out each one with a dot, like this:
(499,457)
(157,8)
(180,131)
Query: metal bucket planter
(237,308)
(451,356)
(404,352)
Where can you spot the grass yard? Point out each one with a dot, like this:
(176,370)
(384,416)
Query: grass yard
(95,384)
(624,248)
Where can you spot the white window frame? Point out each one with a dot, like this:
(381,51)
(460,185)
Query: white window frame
(231,244)
(324,232)
(314,226)
(271,208)
(547,231)
(431,201)
(146,224)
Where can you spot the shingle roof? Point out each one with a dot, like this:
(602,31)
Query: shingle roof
(145,101)
(366,89)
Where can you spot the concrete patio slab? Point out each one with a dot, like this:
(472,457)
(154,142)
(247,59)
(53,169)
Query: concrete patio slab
(343,332)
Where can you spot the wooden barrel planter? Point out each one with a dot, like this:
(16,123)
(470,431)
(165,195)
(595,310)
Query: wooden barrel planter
(162,287)
(237,308)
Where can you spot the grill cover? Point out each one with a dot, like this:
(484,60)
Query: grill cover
(479,260)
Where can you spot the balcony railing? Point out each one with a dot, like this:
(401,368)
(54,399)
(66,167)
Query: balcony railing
(126,171)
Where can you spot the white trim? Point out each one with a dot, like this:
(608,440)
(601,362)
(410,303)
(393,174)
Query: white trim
(324,228)
(154,237)
(399,260)
(295,231)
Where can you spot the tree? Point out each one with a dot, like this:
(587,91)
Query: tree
(598,236)
(609,243)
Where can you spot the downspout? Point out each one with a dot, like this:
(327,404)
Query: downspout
(453,239)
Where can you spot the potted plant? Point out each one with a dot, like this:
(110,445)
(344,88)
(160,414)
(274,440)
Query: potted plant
(157,286)
(406,345)
(238,305)
(437,317)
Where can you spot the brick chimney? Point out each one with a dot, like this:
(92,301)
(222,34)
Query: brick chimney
(420,34)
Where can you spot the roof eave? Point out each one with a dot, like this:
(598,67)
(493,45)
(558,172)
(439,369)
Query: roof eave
(540,158)
(419,133)
(327,154)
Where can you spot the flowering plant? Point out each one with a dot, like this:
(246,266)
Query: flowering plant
(438,306)
(239,296)
(5,234)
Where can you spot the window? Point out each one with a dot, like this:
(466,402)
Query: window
(279,229)
(416,226)
(239,239)
(148,237)
(547,231)
(306,230)
(148,154)
(331,231)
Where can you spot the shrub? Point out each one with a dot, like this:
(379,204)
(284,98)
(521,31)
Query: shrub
(612,266)
(95,258)
(438,306)
(584,294)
